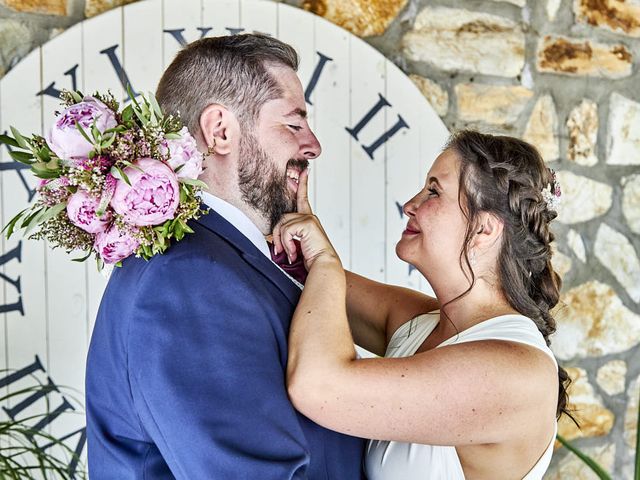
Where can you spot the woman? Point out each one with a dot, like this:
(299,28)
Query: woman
(471,391)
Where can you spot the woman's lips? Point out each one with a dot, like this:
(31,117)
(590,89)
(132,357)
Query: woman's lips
(410,231)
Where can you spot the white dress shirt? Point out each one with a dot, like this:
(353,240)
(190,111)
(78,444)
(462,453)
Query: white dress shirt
(238,219)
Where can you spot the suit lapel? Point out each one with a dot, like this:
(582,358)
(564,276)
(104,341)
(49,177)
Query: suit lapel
(250,253)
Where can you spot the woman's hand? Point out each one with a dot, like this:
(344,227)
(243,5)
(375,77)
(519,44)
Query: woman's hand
(305,227)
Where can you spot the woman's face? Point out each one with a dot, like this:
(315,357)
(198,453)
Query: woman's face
(433,238)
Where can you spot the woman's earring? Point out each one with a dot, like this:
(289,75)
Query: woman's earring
(211,149)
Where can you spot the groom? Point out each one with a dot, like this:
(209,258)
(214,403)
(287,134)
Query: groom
(186,369)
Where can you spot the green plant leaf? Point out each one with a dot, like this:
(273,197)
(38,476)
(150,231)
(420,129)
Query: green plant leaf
(22,142)
(173,136)
(77,95)
(195,183)
(119,174)
(7,140)
(22,157)
(155,105)
(590,462)
(12,223)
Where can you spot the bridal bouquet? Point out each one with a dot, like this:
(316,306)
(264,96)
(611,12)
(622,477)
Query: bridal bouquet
(112,183)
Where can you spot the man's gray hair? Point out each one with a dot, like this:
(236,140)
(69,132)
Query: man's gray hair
(229,70)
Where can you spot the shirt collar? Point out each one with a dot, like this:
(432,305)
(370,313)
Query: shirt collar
(238,219)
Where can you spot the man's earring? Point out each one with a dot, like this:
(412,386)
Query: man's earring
(211,149)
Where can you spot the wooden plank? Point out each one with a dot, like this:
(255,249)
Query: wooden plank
(102,53)
(403,170)
(142,57)
(184,19)
(259,16)
(332,171)
(26,331)
(4,218)
(66,297)
(222,16)
(367,175)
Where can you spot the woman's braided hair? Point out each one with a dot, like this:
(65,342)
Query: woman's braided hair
(506,177)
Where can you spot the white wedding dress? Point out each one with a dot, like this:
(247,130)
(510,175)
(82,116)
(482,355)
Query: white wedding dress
(412,461)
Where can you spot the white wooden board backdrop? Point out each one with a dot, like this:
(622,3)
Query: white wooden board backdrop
(48,303)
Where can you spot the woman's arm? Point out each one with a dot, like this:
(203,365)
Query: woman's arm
(376,310)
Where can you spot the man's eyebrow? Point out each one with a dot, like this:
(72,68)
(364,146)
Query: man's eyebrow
(299,112)
(434,180)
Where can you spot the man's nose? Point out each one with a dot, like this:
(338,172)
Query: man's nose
(310,147)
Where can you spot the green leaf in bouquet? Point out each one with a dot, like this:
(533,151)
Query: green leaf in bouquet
(7,140)
(22,157)
(119,174)
(43,154)
(195,183)
(22,142)
(82,259)
(31,217)
(172,136)
(155,105)
(76,96)
(12,223)
(95,133)
(53,211)
(127,114)
(108,142)
(186,227)
(40,170)
(53,164)
(84,134)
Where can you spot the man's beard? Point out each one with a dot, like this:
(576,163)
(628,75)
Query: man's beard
(260,183)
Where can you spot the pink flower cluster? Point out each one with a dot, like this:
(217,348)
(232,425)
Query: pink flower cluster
(148,196)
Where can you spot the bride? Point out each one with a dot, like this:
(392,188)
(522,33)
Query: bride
(469,391)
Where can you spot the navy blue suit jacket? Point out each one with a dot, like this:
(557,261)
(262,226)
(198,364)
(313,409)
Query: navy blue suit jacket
(186,370)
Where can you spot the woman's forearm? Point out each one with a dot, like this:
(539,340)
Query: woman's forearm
(320,341)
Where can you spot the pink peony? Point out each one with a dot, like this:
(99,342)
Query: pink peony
(81,210)
(184,153)
(114,246)
(152,197)
(65,139)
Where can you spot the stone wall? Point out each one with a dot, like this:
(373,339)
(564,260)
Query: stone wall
(562,74)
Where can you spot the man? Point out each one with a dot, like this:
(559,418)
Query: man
(186,369)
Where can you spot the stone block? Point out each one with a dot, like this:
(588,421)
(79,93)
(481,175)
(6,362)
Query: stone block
(620,16)
(491,104)
(631,414)
(96,7)
(593,322)
(460,40)
(46,7)
(434,93)
(15,42)
(616,253)
(574,240)
(552,9)
(623,144)
(631,201)
(519,3)
(361,17)
(587,407)
(582,125)
(611,376)
(542,128)
(583,57)
(572,468)
(582,198)
(560,262)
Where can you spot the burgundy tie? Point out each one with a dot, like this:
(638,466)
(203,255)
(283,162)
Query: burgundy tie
(295,269)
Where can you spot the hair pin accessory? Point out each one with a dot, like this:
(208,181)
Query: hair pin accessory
(553,193)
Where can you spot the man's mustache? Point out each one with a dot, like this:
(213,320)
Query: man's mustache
(300,164)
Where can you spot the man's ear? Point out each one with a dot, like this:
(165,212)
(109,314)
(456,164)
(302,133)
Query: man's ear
(219,128)
(488,230)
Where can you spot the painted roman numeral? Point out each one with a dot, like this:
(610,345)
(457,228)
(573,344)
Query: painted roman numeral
(54,92)
(50,417)
(178,34)
(18,167)
(316,76)
(117,66)
(16,254)
(355,131)
(36,366)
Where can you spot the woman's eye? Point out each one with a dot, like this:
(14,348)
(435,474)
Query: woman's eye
(432,192)
(295,128)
